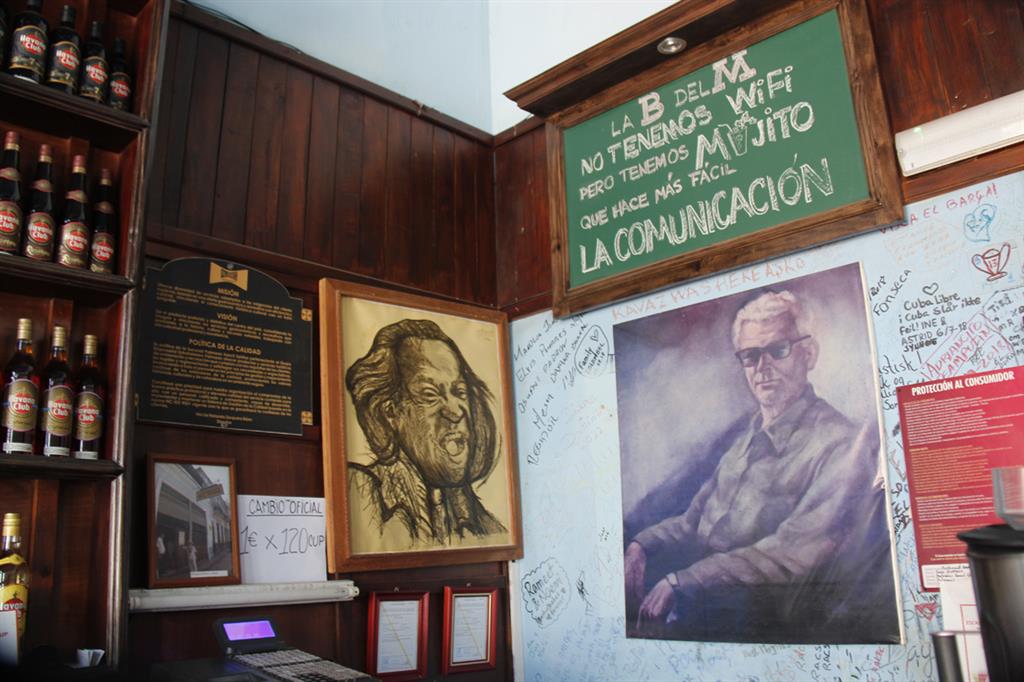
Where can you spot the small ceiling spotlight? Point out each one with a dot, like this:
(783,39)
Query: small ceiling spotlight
(671,45)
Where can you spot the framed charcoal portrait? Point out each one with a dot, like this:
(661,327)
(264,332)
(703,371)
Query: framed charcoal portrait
(193,522)
(754,489)
(419,458)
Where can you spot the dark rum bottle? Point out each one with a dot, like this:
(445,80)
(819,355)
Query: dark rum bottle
(65,54)
(10,196)
(95,72)
(89,404)
(56,409)
(40,226)
(14,574)
(101,254)
(28,43)
(73,245)
(21,395)
(120,94)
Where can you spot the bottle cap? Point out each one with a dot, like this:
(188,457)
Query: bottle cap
(35,5)
(24,329)
(78,164)
(11,140)
(12,523)
(89,345)
(60,337)
(96,30)
(67,14)
(45,153)
(120,45)
(106,176)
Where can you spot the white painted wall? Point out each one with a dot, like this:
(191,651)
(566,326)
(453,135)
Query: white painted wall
(456,56)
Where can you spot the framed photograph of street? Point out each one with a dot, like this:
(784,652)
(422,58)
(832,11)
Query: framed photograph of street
(765,139)
(193,522)
(470,621)
(396,635)
(419,457)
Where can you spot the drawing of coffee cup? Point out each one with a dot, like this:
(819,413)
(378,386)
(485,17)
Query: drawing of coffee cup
(992,261)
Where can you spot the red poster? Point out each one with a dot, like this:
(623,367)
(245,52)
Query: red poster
(955,431)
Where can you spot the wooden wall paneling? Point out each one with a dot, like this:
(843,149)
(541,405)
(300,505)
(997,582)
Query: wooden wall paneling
(320,174)
(348,180)
(235,152)
(443,211)
(398,224)
(955,41)
(154,198)
(423,235)
(486,253)
(81,566)
(291,209)
(464,243)
(39,532)
(265,161)
(202,140)
(176,123)
(510,170)
(1001,49)
(373,192)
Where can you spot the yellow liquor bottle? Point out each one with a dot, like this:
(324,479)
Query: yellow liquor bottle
(14,573)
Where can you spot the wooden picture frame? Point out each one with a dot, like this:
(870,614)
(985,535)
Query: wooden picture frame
(419,466)
(193,521)
(470,623)
(567,92)
(396,622)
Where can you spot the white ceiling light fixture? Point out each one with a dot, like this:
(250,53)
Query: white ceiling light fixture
(671,45)
(965,134)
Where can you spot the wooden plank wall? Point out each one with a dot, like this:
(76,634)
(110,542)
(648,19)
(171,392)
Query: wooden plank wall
(935,58)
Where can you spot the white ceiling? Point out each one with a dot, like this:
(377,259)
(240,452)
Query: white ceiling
(456,56)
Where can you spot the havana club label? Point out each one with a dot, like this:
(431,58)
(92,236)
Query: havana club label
(101,258)
(39,231)
(21,400)
(120,90)
(15,597)
(74,245)
(10,226)
(94,78)
(57,415)
(65,63)
(88,422)
(28,50)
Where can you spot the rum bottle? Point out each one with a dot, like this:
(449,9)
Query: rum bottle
(89,404)
(57,406)
(73,247)
(120,94)
(28,43)
(14,573)
(10,196)
(95,72)
(101,254)
(65,54)
(40,226)
(21,395)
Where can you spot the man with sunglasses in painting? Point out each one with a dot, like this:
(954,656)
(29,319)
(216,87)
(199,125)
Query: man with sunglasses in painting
(790,526)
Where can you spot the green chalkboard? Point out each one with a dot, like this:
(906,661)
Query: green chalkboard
(764,136)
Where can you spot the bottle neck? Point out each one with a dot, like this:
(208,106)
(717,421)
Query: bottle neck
(24,346)
(78,181)
(58,354)
(10,159)
(10,543)
(44,170)
(89,361)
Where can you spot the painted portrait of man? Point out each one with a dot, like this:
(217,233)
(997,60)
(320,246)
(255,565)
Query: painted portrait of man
(753,481)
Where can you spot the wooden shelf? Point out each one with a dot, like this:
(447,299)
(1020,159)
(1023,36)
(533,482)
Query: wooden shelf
(25,275)
(63,468)
(34,105)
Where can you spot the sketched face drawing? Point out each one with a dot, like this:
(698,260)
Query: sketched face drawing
(432,413)
(776,381)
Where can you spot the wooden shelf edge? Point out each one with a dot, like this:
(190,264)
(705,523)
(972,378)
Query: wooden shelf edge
(240,596)
(28,271)
(100,114)
(66,468)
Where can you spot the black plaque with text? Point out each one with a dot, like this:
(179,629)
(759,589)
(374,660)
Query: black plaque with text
(225,346)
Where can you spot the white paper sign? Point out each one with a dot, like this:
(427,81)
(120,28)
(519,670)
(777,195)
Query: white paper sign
(960,613)
(8,638)
(282,539)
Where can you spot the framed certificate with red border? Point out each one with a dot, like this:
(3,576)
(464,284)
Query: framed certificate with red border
(396,636)
(470,620)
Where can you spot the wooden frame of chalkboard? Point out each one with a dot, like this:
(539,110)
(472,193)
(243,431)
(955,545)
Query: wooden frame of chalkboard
(418,440)
(690,170)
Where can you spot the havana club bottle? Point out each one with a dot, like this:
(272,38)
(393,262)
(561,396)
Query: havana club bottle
(73,246)
(56,413)
(14,574)
(89,404)
(102,251)
(10,196)
(21,395)
(28,43)
(65,54)
(120,94)
(40,226)
(95,71)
